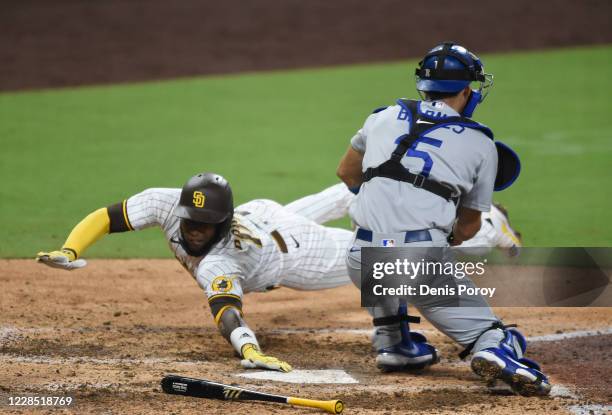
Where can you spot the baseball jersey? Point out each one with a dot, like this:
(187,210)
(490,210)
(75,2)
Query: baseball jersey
(269,244)
(462,158)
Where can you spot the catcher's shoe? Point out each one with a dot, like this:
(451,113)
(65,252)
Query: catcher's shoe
(413,354)
(506,362)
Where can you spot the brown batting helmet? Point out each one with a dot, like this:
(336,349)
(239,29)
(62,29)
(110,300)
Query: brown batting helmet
(206,198)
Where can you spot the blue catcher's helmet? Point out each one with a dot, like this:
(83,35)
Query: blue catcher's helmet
(449,68)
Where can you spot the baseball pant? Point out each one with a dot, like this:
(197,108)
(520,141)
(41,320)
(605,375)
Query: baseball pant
(464,323)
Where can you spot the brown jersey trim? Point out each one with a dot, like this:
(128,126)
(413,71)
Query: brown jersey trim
(223,310)
(119,221)
(125,215)
(280,242)
(219,302)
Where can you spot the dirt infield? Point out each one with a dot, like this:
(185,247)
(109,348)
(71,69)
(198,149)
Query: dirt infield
(66,42)
(108,333)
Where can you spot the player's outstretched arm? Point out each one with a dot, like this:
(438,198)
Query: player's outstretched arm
(94,226)
(242,338)
(85,233)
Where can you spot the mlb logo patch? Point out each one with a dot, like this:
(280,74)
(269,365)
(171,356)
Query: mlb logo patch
(388,243)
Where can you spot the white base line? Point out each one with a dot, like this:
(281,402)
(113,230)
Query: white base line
(544,338)
(8,333)
(358,332)
(590,409)
(51,360)
(571,335)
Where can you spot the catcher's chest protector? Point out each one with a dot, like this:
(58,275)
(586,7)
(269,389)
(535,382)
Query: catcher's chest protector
(420,125)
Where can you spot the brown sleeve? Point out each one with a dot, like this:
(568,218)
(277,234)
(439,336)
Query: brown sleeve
(119,221)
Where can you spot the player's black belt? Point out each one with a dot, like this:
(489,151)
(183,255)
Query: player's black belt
(409,236)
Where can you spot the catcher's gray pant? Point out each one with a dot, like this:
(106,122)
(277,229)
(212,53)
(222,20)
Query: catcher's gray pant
(464,324)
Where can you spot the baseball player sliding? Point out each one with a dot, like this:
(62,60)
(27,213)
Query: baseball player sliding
(259,246)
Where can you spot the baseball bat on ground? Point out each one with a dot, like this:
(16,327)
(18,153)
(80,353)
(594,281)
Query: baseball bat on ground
(201,388)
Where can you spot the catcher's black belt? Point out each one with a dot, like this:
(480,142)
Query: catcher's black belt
(409,236)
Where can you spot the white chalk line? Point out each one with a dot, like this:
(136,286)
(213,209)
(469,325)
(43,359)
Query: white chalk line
(10,333)
(543,338)
(562,391)
(592,409)
(42,359)
(320,331)
(557,390)
(534,339)
(74,386)
(571,335)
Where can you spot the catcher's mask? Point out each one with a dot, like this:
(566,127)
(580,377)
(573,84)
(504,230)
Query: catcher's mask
(449,68)
(206,209)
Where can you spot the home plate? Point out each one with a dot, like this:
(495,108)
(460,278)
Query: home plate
(303,376)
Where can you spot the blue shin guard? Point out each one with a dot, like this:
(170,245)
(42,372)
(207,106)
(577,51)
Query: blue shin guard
(411,353)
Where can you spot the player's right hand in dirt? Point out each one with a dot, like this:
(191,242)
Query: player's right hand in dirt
(64,259)
(253,358)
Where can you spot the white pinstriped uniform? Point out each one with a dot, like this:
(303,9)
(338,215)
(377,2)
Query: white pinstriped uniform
(315,257)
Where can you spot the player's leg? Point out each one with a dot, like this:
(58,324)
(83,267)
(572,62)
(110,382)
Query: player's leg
(384,335)
(329,204)
(321,263)
(497,350)
(396,346)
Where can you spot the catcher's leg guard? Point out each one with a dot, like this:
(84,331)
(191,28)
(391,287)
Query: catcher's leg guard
(506,362)
(411,353)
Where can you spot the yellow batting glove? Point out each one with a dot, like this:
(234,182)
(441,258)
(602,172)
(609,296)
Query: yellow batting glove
(64,259)
(253,358)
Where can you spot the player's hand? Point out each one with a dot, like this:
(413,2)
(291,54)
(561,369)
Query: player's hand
(253,358)
(60,259)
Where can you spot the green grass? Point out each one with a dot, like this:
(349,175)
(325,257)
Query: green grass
(280,135)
